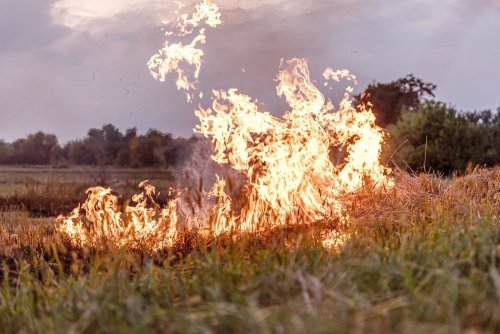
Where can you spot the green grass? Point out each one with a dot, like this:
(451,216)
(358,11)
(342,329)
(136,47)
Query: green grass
(421,258)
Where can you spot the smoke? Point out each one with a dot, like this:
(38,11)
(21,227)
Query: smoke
(196,176)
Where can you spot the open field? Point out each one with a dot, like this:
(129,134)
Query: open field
(45,191)
(422,257)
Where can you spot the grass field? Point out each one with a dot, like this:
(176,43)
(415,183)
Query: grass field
(423,257)
(44,191)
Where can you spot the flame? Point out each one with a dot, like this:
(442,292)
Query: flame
(290,174)
(297,168)
(173,56)
(143,225)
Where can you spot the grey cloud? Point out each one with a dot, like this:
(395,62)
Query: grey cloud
(65,81)
(26,25)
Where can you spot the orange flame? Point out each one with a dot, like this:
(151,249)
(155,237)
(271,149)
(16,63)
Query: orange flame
(144,225)
(297,168)
(287,160)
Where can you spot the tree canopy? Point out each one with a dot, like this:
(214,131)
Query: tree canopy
(437,137)
(389,99)
(104,146)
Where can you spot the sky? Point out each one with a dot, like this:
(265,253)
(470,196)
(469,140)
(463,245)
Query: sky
(70,65)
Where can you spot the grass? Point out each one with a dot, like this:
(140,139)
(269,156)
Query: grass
(45,192)
(422,257)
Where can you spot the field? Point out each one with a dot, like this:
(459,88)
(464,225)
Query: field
(44,191)
(423,257)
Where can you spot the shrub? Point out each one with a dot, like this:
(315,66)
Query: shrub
(435,136)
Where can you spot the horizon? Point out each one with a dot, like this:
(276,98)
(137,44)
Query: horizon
(79,65)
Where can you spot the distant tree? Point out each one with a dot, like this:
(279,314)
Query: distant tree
(179,150)
(104,146)
(4,152)
(127,155)
(36,149)
(389,99)
(100,147)
(95,143)
(80,153)
(113,142)
(151,146)
(490,124)
(436,136)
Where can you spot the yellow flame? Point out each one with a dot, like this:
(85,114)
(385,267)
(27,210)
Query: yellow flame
(297,167)
(287,161)
(173,56)
(143,225)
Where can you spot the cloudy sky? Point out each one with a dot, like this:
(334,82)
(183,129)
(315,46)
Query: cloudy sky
(69,65)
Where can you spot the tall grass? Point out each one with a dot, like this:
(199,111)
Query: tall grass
(422,257)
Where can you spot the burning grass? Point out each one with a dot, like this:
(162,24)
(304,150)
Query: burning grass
(311,242)
(421,257)
(49,192)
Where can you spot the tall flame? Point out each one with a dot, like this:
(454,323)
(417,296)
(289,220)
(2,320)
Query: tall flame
(297,167)
(287,161)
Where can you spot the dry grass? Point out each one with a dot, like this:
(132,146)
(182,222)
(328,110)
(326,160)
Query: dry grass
(421,257)
(48,192)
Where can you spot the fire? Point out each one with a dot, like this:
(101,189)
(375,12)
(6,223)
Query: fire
(290,175)
(172,56)
(297,168)
(142,225)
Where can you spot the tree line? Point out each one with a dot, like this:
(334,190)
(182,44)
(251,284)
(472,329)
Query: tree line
(421,134)
(425,134)
(105,146)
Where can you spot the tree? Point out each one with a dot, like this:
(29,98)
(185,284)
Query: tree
(105,146)
(439,138)
(490,123)
(4,151)
(180,150)
(389,99)
(127,154)
(150,147)
(36,149)
(79,153)
(101,147)
(113,142)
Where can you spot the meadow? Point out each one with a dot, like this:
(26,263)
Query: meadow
(421,257)
(45,191)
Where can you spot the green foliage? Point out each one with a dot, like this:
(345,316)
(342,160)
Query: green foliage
(36,149)
(490,122)
(437,137)
(149,148)
(103,147)
(389,99)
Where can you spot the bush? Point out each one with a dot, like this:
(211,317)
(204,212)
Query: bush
(387,100)
(435,136)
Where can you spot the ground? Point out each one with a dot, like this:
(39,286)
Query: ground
(421,257)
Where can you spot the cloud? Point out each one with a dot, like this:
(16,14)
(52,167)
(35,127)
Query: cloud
(26,25)
(70,65)
(98,15)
